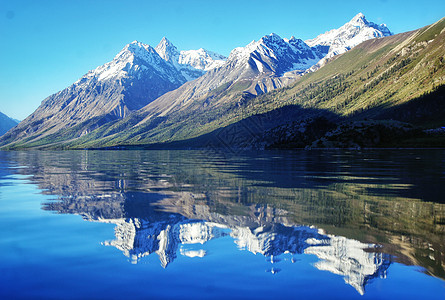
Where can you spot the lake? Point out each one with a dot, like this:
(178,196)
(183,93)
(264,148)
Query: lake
(215,224)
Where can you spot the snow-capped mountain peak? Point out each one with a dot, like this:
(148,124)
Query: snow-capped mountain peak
(191,63)
(354,32)
(138,50)
(273,37)
(299,44)
(359,19)
(266,45)
(273,54)
(176,66)
(131,59)
(274,42)
(167,50)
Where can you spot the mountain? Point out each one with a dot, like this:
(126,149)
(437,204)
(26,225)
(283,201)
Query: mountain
(338,41)
(88,104)
(272,54)
(356,31)
(255,68)
(6,123)
(136,76)
(231,92)
(385,78)
(191,63)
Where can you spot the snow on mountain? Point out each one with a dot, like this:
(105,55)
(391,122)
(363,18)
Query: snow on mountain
(136,76)
(256,69)
(271,53)
(140,74)
(350,259)
(191,63)
(134,58)
(259,67)
(167,50)
(356,31)
(137,59)
(201,59)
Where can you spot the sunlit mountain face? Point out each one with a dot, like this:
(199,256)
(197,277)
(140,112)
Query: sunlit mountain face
(335,211)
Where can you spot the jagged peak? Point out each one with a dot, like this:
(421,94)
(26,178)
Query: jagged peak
(206,53)
(274,35)
(294,41)
(200,50)
(273,41)
(165,43)
(359,20)
(271,37)
(357,29)
(166,49)
(136,49)
(132,55)
(135,46)
(359,16)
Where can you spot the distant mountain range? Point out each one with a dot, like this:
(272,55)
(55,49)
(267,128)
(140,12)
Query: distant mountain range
(6,123)
(156,96)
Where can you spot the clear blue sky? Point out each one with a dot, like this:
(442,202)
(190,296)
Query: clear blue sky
(47,45)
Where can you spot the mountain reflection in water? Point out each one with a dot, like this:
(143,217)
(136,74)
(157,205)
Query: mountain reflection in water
(356,212)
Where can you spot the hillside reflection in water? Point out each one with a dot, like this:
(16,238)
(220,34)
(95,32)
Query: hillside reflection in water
(356,212)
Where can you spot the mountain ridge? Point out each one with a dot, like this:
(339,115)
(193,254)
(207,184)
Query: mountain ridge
(216,99)
(191,63)
(364,82)
(357,30)
(136,76)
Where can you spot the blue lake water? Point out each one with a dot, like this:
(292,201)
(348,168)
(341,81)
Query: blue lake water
(216,225)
